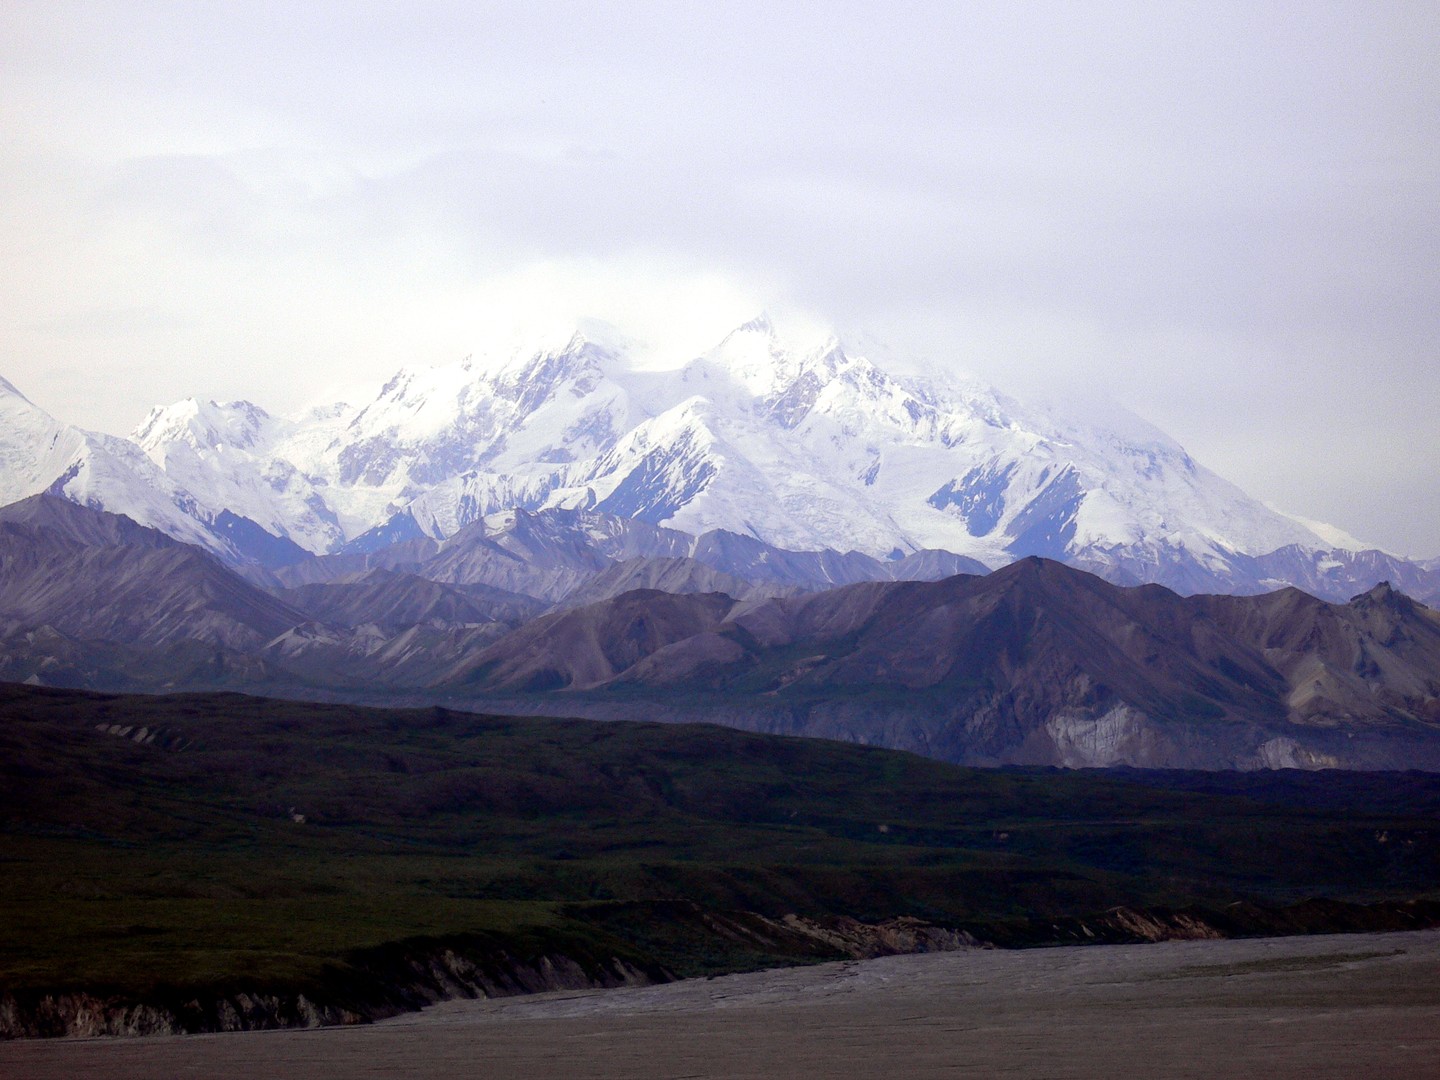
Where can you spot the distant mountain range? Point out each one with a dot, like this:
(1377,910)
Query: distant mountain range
(797,447)
(784,538)
(580,612)
(1036,663)
(109,586)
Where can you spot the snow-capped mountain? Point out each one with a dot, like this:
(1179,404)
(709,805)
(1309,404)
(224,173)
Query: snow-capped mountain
(817,448)
(40,454)
(803,446)
(242,459)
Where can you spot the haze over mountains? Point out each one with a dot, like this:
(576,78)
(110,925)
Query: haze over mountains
(800,446)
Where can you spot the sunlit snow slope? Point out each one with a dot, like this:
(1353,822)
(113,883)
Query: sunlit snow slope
(803,446)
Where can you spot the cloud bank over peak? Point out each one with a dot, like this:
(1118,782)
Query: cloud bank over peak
(1226,218)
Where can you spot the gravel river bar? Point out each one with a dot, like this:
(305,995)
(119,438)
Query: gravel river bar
(1365,1005)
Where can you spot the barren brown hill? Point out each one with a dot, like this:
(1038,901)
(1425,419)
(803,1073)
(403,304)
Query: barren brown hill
(1036,663)
(591,645)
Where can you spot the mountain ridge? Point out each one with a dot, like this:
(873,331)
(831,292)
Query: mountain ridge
(1034,663)
(801,445)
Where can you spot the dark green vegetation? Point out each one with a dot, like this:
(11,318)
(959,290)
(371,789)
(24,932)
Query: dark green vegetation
(257,843)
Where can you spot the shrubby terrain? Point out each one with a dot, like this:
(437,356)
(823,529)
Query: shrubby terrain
(210,861)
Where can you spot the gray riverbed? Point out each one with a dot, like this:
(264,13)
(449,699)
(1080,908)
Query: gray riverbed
(1332,1006)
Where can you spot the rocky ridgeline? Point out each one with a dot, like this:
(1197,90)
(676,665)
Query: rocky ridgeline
(894,937)
(388,982)
(84,1015)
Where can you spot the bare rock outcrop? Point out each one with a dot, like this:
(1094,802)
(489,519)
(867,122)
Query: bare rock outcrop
(385,982)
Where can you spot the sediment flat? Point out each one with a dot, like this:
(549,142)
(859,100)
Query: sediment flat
(1325,1006)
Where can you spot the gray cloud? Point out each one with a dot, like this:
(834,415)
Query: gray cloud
(1225,215)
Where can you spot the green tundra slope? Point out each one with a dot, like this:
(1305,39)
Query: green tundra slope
(176,850)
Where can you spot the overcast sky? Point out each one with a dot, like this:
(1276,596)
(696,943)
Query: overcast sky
(1225,215)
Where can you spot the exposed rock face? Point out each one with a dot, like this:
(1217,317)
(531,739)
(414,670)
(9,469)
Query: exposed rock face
(1283,752)
(84,1015)
(890,938)
(406,983)
(1150,926)
(427,978)
(1120,736)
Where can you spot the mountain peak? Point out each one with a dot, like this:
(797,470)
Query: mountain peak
(1382,595)
(87,525)
(603,335)
(754,358)
(760,324)
(830,355)
(203,424)
(8,388)
(794,436)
